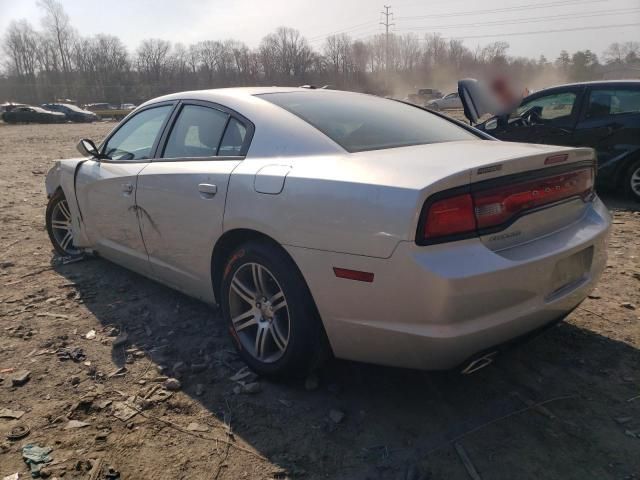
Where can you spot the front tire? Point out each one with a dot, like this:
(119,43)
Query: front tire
(632,181)
(270,312)
(60,226)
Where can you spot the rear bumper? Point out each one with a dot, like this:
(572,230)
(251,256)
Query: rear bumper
(434,307)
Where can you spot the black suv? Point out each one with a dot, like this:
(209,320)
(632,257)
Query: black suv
(603,115)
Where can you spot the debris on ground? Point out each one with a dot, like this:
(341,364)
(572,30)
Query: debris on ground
(336,416)
(18,432)
(8,413)
(36,457)
(120,339)
(75,424)
(76,354)
(241,374)
(466,461)
(249,388)
(20,378)
(122,411)
(13,476)
(172,384)
(312,382)
(90,335)
(197,427)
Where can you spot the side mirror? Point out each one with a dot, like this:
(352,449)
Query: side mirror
(87,148)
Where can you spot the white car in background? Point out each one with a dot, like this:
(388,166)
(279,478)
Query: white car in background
(324,221)
(448,102)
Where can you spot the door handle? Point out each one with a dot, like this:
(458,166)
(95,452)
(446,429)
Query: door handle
(207,190)
(127,187)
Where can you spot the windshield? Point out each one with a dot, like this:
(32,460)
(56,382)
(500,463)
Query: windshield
(72,107)
(359,122)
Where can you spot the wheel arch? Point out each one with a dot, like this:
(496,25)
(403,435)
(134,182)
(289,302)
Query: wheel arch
(624,166)
(231,240)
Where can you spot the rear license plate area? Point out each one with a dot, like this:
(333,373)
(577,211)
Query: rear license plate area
(570,272)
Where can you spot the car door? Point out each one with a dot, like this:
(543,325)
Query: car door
(181,194)
(450,101)
(610,123)
(554,124)
(106,188)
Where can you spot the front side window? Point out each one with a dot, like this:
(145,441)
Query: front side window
(613,102)
(554,106)
(135,139)
(196,133)
(359,122)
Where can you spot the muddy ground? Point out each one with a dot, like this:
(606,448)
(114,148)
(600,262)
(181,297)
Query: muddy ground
(397,424)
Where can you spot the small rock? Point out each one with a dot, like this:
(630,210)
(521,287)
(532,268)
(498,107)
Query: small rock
(336,416)
(101,437)
(197,427)
(90,335)
(312,383)
(623,420)
(628,305)
(198,367)
(172,384)
(594,296)
(20,378)
(75,380)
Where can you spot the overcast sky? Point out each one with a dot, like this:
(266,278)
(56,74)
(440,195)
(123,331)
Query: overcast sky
(190,21)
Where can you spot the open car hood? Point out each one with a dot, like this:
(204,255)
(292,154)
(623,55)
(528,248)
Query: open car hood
(477,99)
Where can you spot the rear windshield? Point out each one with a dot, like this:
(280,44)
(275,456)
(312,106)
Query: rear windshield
(361,122)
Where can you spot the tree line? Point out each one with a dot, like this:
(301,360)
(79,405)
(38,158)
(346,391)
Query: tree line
(55,62)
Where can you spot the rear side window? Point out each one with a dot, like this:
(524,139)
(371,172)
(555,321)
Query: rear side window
(233,139)
(360,122)
(613,102)
(196,133)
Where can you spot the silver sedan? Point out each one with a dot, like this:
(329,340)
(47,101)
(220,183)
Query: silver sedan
(325,222)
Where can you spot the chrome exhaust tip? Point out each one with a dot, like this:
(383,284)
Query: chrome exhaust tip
(479,363)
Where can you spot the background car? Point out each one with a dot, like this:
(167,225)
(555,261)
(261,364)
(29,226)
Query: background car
(423,95)
(325,221)
(447,102)
(73,113)
(30,114)
(602,115)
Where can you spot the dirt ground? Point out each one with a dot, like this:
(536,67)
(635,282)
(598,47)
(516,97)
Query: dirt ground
(361,422)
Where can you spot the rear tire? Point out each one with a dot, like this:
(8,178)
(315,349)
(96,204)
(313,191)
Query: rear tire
(631,181)
(270,313)
(59,225)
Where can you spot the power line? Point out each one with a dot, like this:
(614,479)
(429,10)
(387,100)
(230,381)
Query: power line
(599,13)
(560,30)
(563,3)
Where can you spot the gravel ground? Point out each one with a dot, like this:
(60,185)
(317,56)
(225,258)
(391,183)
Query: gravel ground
(106,406)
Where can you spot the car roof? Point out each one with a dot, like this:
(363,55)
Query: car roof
(594,83)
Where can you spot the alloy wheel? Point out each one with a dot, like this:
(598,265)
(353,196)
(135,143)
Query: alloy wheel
(259,312)
(62,228)
(635,181)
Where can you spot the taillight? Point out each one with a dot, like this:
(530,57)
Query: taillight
(450,216)
(489,208)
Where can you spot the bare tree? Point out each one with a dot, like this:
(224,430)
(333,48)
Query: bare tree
(57,27)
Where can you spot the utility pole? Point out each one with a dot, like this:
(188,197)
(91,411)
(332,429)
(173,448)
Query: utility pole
(386,24)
